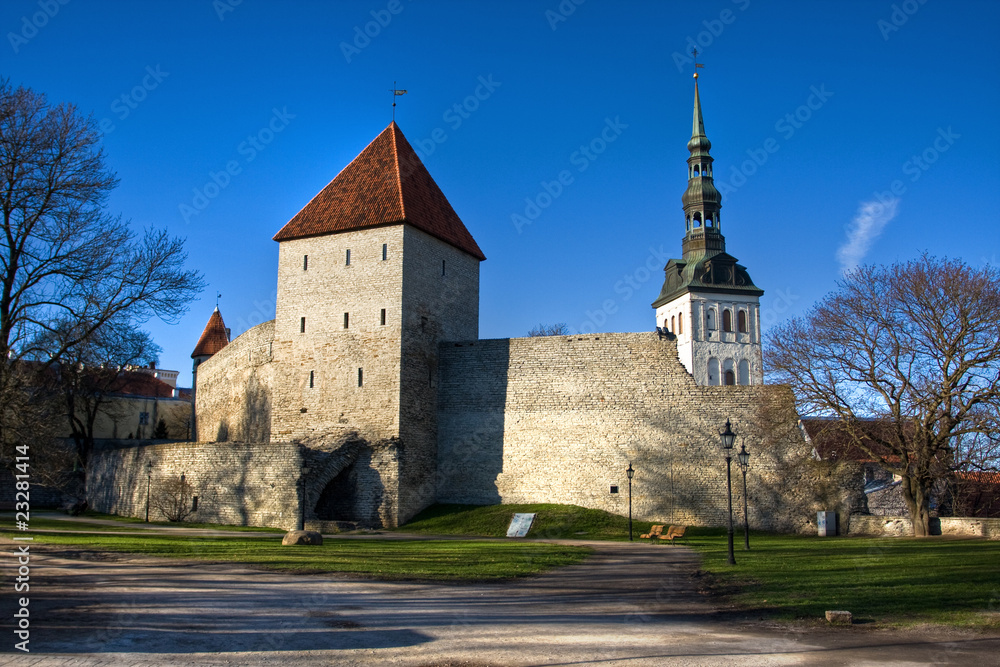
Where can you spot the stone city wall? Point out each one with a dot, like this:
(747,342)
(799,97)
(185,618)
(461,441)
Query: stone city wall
(558,419)
(234,393)
(236,483)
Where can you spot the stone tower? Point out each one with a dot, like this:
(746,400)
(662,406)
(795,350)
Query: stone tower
(213,338)
(373,273)
(708,300)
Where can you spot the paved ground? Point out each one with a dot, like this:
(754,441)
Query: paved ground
(633,605)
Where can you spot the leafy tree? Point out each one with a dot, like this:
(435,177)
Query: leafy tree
(161,430)
(68,268)
(913,345)
(559,329)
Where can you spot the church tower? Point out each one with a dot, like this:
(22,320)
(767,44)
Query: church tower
(708,301)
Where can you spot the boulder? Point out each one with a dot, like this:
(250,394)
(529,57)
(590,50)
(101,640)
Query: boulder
(75,507)
(838,617)
(302,537)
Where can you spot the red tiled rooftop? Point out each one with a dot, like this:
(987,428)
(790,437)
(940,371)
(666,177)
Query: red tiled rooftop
(213,338)
(385,184)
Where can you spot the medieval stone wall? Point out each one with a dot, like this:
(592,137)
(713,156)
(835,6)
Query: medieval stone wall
(236,483)
(234,393)
(557,419)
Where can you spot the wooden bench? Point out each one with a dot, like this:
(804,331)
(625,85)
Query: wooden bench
(654,532)
(673,533)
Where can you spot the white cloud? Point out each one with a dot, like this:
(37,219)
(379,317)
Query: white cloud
(867,225)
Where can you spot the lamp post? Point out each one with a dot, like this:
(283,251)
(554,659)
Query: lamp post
(728,440)
(744,460)
(302,500)
(149,481)
(629,473)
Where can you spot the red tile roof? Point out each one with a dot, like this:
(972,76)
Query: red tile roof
(213,338)
(141,383)
(385,184)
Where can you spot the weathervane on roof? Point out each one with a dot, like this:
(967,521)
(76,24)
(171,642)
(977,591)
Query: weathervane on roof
(395,93)
(694,54)
(218,295)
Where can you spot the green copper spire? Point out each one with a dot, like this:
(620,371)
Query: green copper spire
(698,139)
(702,201)
(705,268)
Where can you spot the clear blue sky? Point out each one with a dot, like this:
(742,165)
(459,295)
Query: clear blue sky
(836,100)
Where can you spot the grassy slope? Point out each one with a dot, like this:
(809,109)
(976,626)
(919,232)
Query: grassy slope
(551,522)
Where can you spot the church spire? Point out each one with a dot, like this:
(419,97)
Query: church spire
(701,200)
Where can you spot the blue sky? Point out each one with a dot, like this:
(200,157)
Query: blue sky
(842,131)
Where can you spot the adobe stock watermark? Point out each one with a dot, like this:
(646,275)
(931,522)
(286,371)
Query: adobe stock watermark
(898,17)
(917,165)
(123,105)
(223,7)
(626,287)
(562,12)
(581,158)
(30,25)
(704,39)
(787,126)
(773,308)
(263,311)
(457,114)
(249,149)
(363,35)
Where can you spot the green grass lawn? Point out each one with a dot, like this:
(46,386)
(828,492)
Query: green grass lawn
(382,559)
(551,522)
(893,581)
(45,520)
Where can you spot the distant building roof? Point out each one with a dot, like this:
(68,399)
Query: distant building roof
(138,383)
(832,442)
(385,184)
(213,338)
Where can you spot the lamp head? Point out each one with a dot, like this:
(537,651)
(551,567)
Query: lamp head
(630,472)
(744,457)
(728,437)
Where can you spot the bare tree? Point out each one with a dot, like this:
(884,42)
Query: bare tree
(91,372)
(559,329)
(66,264)
(914,346)
(173,499)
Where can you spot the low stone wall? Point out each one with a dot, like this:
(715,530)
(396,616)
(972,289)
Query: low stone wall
(236,483)
(901,526)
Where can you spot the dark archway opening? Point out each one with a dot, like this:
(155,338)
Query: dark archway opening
(339,500)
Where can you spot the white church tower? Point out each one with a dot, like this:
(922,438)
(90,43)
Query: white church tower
(708,301)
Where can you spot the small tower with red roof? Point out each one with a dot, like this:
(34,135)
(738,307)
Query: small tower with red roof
(213,338)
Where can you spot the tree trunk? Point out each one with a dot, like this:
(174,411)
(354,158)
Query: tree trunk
(917,501)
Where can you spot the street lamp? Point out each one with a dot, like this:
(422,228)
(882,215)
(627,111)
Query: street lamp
(744,460)
(302,501)
(149,480)
(630,473)
(728,440)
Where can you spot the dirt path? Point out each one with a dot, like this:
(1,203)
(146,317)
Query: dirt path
(634,605)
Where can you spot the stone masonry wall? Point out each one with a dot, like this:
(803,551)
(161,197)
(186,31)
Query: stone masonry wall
(233,397)
(557,419)
(236,483)
(318,389)
(440,302)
